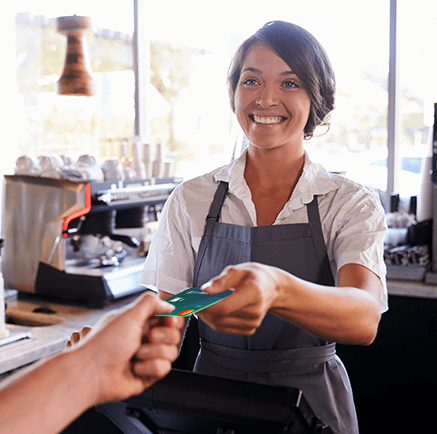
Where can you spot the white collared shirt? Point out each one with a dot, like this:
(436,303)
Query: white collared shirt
(352,217)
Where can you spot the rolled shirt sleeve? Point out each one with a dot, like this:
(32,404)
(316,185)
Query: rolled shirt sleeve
(357,235)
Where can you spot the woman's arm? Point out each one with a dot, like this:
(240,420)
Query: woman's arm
(348,313)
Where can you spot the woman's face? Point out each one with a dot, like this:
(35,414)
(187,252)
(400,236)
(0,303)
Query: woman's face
(271,104)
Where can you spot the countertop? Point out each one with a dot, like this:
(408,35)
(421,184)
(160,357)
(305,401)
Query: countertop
(411,288)
(42,341)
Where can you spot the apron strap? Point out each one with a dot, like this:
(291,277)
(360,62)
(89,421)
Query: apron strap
(211,219)
(217,202)
(319,242)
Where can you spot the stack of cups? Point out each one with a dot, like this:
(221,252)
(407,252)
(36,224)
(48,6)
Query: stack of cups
(148,160)
(162,167)
(138,163)
(158,164)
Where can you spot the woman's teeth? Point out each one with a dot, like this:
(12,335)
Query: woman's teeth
(267,120)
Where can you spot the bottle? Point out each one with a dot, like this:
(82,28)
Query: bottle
(424,200)
(158,164)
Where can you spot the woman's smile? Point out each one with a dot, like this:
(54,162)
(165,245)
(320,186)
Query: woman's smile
(267,120)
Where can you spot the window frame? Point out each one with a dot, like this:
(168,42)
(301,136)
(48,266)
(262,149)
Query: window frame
(394,121)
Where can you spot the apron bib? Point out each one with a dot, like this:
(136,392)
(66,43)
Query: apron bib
(278,353)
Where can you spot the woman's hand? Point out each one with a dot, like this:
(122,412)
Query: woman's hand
(255,288)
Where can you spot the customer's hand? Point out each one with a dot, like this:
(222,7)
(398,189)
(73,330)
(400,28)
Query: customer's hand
(131,349)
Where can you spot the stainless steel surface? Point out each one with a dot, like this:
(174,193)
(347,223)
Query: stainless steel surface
(34,212)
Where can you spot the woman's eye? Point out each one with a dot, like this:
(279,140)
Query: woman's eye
(289,84)
(250,82)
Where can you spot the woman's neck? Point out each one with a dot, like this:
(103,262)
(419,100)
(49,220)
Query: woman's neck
(274,166)
(271,177)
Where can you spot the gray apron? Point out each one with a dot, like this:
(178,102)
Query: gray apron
(278,353)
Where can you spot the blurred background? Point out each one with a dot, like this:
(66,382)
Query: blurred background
(191,44)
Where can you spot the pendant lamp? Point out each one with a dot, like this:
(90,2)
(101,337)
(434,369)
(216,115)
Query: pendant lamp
(76,79)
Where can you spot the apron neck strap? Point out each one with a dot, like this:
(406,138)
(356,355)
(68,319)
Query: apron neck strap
(217,202)
(211,219)
(319,241)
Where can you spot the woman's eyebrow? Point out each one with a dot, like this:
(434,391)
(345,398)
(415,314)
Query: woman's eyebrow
(250,69)
(257,71)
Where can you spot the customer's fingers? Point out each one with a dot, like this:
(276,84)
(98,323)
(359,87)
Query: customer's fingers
(75,337)
(157,351)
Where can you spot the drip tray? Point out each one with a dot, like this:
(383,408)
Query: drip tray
(16,335)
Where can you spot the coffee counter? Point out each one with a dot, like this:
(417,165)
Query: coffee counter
(46,340)
(408,288)
(398,368)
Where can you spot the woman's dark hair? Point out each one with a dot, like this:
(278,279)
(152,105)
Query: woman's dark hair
(301,51)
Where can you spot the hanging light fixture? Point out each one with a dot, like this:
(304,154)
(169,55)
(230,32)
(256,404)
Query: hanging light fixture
(76,79)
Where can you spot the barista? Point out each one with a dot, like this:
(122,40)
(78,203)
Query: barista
(301,248)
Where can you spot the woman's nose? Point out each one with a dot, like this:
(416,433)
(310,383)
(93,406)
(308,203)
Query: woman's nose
(267,97)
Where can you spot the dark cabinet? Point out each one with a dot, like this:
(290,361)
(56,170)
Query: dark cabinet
(395,378)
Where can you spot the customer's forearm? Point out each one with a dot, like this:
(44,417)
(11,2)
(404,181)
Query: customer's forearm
(48,398)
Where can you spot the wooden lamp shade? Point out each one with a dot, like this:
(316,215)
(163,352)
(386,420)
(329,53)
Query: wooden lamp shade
(76,79)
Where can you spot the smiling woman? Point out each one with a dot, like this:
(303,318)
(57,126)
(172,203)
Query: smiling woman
(301,249)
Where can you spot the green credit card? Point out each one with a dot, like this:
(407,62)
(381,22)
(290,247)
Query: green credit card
(193,300)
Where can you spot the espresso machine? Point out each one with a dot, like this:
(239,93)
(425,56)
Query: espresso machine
(79,240)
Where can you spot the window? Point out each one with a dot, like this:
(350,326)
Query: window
(418,84)
(354,34)
(417,48)
(73,125)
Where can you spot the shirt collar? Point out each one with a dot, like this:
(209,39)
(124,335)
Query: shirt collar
(315,180)
(233,173)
